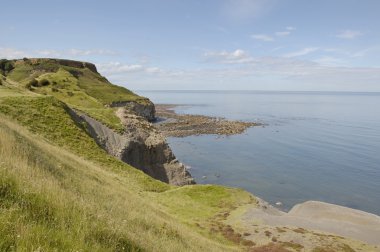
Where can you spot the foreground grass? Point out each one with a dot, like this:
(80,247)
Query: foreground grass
(59,191)
(53,200)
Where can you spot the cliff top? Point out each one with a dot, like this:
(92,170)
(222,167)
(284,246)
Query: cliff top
(76,83)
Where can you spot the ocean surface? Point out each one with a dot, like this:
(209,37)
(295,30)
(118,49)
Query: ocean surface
(314,146)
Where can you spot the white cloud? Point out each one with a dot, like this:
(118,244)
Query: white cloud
(290,28)
(330,61)
(238,56)
(301,52)
(76,52)
(282,33)
(11,53)
(262,37)
(276,73)
(47,53)
(119,68)
(349,34)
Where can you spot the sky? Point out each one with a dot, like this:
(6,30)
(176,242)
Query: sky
(287,45)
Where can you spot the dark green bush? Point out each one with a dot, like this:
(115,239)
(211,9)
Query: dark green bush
(28,86)
(6,66)
(43,82)
(32,83)
(54,89)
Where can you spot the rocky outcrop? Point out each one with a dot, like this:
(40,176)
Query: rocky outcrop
(141,146)
(144,108)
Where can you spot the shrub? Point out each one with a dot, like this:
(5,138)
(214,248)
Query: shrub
(6,66)
(43,82)
(75,73)
(1,82)
(54,89)
(69,93)
(33,83)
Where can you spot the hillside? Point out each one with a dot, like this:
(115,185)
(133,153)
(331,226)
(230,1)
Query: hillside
(66,187)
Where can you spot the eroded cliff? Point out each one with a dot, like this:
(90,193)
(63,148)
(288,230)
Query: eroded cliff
(140,145)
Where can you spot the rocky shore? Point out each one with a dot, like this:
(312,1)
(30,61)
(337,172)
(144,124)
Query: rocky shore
(171,124)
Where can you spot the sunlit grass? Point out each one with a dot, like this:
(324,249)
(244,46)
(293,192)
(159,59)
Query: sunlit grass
(52,199)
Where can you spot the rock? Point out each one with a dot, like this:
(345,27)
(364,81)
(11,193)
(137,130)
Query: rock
(141,146)
(278,203)
(144,108)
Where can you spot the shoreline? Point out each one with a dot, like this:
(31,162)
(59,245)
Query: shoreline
(311,215)
(172,124)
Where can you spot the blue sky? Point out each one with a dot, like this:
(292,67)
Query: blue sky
(331,45)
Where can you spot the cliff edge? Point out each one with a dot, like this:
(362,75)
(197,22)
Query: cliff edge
(117,119)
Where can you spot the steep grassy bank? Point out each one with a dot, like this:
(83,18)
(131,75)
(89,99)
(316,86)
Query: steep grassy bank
(52,199)
(60,191)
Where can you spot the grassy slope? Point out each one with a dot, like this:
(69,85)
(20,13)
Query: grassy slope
(52,199)
(60,191)
(80,88)
(55,199)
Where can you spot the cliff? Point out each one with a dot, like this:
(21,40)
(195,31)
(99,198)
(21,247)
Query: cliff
(141,146)
(117,119)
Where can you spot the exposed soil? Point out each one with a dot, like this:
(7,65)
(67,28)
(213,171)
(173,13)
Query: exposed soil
(181,125)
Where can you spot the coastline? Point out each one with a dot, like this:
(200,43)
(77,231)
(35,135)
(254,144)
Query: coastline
(309,215)
(172,124)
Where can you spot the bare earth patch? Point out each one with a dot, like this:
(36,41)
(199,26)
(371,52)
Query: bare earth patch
(177,125)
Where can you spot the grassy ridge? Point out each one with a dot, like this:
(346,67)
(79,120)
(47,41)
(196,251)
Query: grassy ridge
(79,87)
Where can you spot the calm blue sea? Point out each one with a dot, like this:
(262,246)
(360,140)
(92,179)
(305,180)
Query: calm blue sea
(315,145)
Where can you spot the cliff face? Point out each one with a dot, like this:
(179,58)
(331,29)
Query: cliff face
(80,86)
(141,146)
(144,108)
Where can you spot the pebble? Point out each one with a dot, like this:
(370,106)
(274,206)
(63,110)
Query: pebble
(278,203)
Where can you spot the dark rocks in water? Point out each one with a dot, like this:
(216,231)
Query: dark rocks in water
(178,125)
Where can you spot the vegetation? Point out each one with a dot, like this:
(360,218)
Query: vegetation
(53,200)
(6,66)
(80,88)
(59,191)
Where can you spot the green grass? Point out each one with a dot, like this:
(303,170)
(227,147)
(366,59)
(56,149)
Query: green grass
(80,88)
(208,200)
(60,191)
(54,200)
(61,221)
(107,93)
(50,118)
(21,72)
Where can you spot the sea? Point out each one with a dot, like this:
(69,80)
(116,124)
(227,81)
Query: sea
(322,146)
